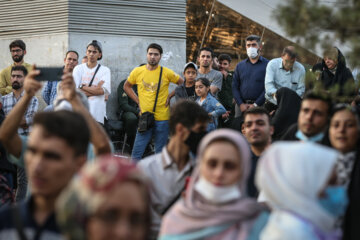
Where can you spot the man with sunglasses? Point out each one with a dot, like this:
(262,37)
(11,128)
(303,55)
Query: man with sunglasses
(18,51)
(94,80)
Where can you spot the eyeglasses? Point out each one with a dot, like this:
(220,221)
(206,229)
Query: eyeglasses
(16,51)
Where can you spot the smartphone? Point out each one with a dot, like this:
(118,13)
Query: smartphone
(49,73)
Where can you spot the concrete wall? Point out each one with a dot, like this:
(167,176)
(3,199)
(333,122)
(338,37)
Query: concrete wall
(122,54)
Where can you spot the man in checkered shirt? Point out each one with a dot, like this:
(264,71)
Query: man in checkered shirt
(18,74)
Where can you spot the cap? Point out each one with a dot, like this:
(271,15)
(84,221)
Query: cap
(190,64)
(97,44)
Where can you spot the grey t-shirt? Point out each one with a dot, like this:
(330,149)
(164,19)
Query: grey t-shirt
(215,77)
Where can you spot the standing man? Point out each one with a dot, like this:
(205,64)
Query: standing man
(249,77)
(257,130)
(18,51)
(147,78)
(283,72)
(205,71)
(94,80)
(18,74)
(49,92)
(226,95)
(169,169)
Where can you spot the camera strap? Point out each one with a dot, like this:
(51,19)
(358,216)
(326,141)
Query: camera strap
(158,89)
(96,70)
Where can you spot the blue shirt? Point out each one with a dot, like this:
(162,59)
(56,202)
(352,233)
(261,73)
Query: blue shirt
(49,92)
(248,81)
(277,77)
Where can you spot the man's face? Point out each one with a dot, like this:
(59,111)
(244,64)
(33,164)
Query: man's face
(17,79)
(153,56)
(257,129)
(17,54)
(331,64)
(51,163)
(313,117)
(224,65)
(205,59)
(190,75)
(288,62)
(70,61)
(93,54)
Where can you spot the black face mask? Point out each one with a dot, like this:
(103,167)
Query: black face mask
(194,139)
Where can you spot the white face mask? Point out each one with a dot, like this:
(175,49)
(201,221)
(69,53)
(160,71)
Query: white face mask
(252,52)
(216,194)
(62,104)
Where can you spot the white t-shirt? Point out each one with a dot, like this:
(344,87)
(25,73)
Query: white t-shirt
(83,75)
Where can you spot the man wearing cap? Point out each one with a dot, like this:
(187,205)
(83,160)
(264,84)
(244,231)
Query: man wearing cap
(187,89)
(18,51)
(94,80)
(147,79)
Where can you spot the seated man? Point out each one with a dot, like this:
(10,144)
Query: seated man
(283,72)
(169,169)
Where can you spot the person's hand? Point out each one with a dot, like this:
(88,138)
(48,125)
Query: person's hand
(31,85)
(224,73)
(168,101)
(251,106)
(244,107)
(68,87)
(225,115)
(272,112)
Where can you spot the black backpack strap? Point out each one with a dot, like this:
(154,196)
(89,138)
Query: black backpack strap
(158,89)
(17,220)
(96,70)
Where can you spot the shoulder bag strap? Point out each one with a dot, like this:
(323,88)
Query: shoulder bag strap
(18,222)
(97,69)
(158,89)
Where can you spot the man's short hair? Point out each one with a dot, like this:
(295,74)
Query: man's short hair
(254,38)
(61,124)
(223,57)
(257,110)
(187,113)
(18,43)
(156,46)
(72,51)
(20,68)
(320,95)
(207,49)
(290,51)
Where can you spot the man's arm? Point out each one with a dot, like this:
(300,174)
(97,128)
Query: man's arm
(8,130)
(4,88)
(270,88)
(123,100)
(31,110)
(93,90)
(216,84)
(236,86)
(98,136)
(179,82)
(301,86)
(130,92)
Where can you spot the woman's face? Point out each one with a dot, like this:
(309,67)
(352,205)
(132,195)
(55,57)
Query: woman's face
(221,164)
(343,131)
(200,89)
(121,216)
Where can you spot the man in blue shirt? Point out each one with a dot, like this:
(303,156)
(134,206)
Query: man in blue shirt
(284,72)
(248,82)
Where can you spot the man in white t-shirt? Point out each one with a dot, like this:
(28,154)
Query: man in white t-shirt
(94,87)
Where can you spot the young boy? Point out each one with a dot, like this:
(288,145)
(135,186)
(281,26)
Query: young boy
(187,90)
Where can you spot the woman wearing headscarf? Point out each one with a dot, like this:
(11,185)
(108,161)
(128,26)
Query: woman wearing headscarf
(215,205)
(108,200)
(297,180)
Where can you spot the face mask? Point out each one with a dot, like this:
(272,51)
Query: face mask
(336,200)
(252,52)
(217,194)
(194,139)
(62,104)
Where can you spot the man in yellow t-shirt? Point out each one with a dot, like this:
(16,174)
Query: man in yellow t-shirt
(17,50)
(146,78)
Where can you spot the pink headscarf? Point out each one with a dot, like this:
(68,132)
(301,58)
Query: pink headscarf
(193,213)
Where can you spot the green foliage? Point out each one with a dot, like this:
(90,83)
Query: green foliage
(312,22)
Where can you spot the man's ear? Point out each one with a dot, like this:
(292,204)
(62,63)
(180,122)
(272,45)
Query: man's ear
(24,52)
(271,130)
(80,161)
(243,129)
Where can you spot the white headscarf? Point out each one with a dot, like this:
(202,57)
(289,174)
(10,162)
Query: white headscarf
(291,175)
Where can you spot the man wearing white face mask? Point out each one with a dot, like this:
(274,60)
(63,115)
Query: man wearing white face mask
(249,77)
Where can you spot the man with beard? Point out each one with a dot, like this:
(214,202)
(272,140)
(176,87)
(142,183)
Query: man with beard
(147,78)
(18,74)
(257,130)
(17,50)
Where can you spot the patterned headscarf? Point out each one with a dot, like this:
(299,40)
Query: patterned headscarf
(86,193)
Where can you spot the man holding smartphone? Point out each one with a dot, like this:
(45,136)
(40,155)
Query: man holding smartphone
(94,80)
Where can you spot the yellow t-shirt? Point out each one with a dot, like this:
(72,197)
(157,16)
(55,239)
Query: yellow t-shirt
(147,84)
(5,78)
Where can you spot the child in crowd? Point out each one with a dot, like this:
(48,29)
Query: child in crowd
(187,90)
(208,102)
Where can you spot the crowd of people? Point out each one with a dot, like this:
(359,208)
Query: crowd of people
(258,153)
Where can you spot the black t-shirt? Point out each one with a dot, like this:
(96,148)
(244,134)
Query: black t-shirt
(190,91)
